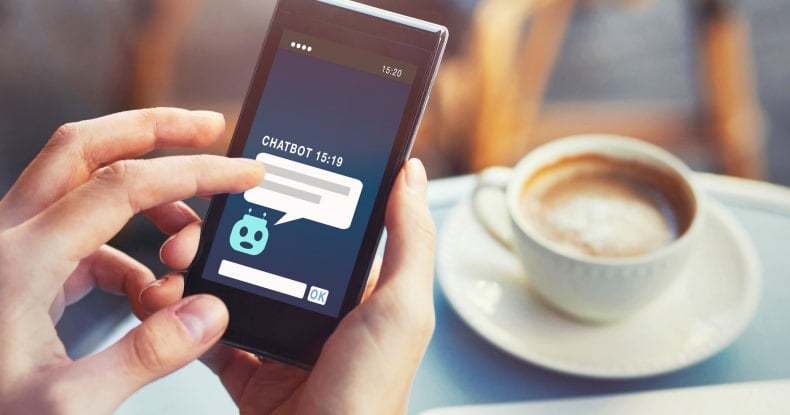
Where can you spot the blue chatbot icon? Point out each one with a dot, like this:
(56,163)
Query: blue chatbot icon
(249,234)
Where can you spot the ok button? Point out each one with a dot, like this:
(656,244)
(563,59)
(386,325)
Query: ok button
(317,295)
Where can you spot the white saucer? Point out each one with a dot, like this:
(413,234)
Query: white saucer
(701,314)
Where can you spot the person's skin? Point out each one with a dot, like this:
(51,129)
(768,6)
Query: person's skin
(80,191)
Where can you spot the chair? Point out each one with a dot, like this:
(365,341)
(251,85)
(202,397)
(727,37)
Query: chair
(488,103)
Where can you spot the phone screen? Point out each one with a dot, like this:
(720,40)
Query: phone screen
(331,112)
(324,128)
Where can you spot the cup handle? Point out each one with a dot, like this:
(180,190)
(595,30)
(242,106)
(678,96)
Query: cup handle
(490,205)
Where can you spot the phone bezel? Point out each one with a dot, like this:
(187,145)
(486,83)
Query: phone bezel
(293,334)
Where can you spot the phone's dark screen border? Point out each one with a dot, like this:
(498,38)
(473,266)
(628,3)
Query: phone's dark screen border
(272,328)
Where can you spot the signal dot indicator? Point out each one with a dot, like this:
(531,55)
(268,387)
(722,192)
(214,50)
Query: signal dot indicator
(298,46)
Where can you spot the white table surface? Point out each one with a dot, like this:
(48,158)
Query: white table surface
(461,368)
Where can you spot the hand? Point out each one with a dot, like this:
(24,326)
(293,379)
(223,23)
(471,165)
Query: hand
(368,364)
(54,223)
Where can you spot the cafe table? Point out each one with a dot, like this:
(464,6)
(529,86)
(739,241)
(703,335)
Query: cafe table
(469,363)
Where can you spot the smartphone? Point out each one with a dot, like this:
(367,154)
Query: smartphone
(332,111)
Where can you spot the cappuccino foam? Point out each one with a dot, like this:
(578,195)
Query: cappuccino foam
(603,207)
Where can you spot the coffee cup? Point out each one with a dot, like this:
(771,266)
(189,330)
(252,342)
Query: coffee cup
(603,224)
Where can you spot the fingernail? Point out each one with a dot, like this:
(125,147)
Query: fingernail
(209,114)
(164,244)
(186,211)
(261,170)
(416,177)
(251,162)
(202,317)
(154,283)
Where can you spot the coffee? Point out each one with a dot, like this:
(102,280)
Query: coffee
(602,224)
(605,207)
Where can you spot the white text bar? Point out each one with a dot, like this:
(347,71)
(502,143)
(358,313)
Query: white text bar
(262,279)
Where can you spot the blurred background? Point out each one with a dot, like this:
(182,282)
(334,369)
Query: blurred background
(707,79)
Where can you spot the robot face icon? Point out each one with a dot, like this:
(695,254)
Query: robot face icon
(249,234)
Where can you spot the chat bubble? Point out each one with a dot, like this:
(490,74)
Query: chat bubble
(306,192)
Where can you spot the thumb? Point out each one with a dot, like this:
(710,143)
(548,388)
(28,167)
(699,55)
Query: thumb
(409,253)
(164,342)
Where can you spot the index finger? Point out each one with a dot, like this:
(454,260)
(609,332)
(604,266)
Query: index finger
(86,218)
(77,149)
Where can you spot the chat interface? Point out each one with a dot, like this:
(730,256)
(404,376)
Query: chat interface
(324,127)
